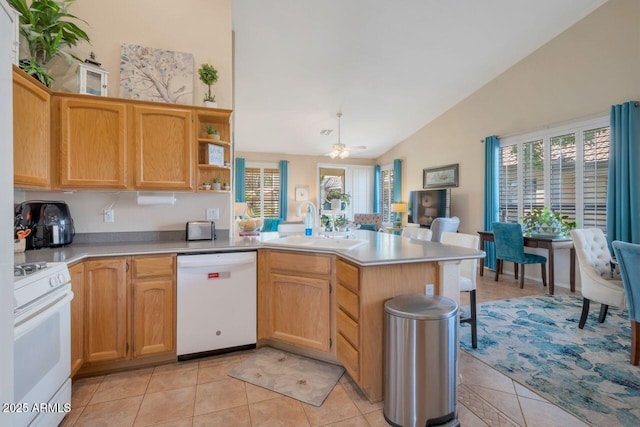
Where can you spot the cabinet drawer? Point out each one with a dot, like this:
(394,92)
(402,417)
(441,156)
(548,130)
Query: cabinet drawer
(349,357)
(347,327)
(153,266)
(315,264)
(348,301)
(347,275)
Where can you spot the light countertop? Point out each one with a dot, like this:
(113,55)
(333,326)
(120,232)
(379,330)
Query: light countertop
(382,248)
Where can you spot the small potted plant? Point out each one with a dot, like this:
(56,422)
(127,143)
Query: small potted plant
(206,186)
(216,184)
(545,222)
(212,133)
(336,200)
(226,186)
(209,76)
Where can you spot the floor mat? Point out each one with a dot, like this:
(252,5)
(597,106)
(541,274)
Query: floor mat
(301,378)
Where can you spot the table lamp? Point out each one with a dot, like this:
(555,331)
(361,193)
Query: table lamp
(398,209)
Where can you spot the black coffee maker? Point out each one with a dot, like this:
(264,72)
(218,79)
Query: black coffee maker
(50,223)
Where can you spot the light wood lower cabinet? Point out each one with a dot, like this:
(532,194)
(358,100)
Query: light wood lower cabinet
(294,299)
(77,317)
(107,319)
(129,311)
(154,305)
(360,296)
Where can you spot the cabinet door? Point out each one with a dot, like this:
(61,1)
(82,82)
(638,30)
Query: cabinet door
(93,150)
(163,144)
(31,132)
(153,316)
(77,317)
(300,310)
(106,319)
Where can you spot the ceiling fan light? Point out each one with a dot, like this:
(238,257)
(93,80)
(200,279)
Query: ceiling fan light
(344,154)
(334,153)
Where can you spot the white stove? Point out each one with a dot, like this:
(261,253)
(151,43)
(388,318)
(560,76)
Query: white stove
(42,355)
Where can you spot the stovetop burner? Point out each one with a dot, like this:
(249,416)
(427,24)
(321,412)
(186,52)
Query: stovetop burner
(27,268)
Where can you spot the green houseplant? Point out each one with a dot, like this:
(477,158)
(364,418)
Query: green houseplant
(49,29)
(213,133)
(546,222)
(336,194)
(209,76)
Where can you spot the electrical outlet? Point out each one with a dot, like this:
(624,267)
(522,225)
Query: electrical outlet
(213,213)
(108,215)
(428,290)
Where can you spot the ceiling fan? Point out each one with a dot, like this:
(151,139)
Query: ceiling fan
(339,149)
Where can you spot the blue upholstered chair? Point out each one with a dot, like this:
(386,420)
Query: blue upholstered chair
(509,243)
(628,256)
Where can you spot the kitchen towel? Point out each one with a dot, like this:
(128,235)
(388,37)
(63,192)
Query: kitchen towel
(301,378)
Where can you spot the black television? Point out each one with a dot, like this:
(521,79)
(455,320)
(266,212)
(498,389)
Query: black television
(427,205)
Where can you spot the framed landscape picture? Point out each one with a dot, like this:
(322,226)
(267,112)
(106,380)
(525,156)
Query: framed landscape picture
(443,176)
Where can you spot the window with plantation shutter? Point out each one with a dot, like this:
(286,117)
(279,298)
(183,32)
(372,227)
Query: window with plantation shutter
(562,161)
(508,184)
(262,191)
(596,165)
(564,168)
(386,187)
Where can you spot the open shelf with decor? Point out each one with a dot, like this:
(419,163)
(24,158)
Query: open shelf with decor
(213,150)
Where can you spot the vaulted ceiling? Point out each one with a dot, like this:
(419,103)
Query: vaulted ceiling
(389,67)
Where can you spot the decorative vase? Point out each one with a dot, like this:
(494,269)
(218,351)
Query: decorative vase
(206,187)
(216,186)
(227,188)
(210,104)
(213,136)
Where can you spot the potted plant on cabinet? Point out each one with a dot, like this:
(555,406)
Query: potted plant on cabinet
(216,184)
(226,186)
(206,186)
(212,133)
(209,76)
(48,28)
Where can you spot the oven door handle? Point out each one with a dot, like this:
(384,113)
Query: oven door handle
(34,320)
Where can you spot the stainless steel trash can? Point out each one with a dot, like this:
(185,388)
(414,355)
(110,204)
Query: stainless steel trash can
(421,361)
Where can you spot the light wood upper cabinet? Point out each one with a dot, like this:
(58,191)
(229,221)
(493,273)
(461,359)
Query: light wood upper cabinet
(163,148)
(31,132)
(93,143)
(106,324)
(77,317)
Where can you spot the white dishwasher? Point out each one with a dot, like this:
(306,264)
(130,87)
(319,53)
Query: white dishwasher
(217,303)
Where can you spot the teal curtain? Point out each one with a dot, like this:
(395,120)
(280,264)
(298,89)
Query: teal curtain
(623,186)
(397,181)
(284,192)
(491,202)
(240,186)
(376,189)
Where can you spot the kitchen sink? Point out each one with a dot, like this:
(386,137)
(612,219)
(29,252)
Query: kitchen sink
(316,242)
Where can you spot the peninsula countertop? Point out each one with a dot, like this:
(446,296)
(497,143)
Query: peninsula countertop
(380,249)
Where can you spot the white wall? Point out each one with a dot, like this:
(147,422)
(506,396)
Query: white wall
(583,71)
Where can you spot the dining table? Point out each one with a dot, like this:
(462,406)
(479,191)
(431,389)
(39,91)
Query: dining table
(551,244)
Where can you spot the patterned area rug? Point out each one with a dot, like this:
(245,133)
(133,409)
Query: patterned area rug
(301,378)
(536,342)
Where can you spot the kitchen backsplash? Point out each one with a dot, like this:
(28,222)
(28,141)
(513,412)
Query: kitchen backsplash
(87,210)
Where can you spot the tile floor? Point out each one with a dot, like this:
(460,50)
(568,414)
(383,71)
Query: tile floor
(199,393)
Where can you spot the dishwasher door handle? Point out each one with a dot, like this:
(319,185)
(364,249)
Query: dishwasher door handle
(214,265)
